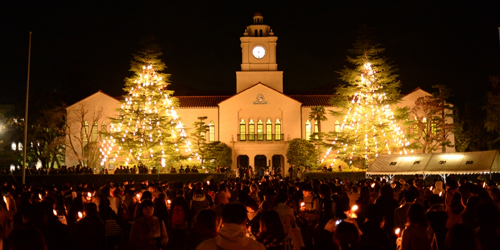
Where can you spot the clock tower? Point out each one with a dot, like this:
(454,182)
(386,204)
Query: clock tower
(258,57)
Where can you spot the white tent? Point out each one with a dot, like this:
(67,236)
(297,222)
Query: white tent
(481,162)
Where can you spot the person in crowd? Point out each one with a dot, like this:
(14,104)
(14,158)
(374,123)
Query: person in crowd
(222,196)
(272,234)
(327,209)
(437,217)
(469,214)
(181,170)
(179,219)
(285,212)
(28,238)
(451,189)
(454,210)
(198,202)
(388,204)
(418,234)
(400,214)
(309,210)
(487,216)
(362,202)
(161,208)
(372,229)
(438,188)
(232,234)
(206,225)
(461,237)
(269,200)
(254,191)
(244,194)
(347,236)
(89,232)
(148,232)
(253,218)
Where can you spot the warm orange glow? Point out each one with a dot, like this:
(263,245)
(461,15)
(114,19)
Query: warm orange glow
(55,212)
(354,208)
(6,203)
(302,204)
(398,230)
(80,215)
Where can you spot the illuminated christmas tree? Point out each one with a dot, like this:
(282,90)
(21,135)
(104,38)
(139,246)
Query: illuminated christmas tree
(369,125)
(147,129)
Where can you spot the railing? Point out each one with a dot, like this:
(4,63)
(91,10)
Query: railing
(260,137)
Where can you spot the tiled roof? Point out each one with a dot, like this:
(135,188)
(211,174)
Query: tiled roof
(213,101)
(313,100)
(200,101)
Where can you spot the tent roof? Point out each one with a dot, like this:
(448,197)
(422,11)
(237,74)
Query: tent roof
(437,163)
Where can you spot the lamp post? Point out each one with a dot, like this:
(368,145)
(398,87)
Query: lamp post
(23,167)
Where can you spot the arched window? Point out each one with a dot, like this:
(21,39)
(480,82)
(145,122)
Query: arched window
(85,131)
(243,130)
(251,130)
(256,34)
(95,132)
(337,126)
(308,130)
(211,131)
(20,146)
(269,130)
(260,34)
(277,130)
(104,127)
(260,130)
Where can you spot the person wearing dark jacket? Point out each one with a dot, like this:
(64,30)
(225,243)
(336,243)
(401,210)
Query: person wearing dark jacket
(179,219)
(373,234)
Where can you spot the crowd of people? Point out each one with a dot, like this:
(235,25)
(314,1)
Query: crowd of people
(248,213)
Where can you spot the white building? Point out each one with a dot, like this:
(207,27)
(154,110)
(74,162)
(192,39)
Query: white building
(259,120)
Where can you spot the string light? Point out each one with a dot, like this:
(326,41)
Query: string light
(145,105)
(370,119)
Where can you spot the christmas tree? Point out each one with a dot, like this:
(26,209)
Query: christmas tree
(147,130)
(369,125)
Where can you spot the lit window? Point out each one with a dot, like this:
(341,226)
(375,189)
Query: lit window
(251,130)
(337,126)
(104,127)
(95,132)
(277,130)
(243,130)
(111,165)
(434,128)
(13,146)
(260,130)
(269,130)
(20,146)
(308,130)
(211,131)
(85,131)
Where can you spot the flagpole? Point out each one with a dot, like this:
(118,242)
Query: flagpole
(25,144)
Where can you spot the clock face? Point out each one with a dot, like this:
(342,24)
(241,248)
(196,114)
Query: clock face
(259,52)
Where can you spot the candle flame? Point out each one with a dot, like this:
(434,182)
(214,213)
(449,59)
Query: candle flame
(373,185)
(6,203)
(40,196)
(484,184)
(302,204)
(55,212)
(440,193)
(169,201)
(431,188)
(397,231)
(354,208)
(80,215)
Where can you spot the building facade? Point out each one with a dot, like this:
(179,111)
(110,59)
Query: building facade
(259,120)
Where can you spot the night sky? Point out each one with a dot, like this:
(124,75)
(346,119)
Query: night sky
(79,47)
